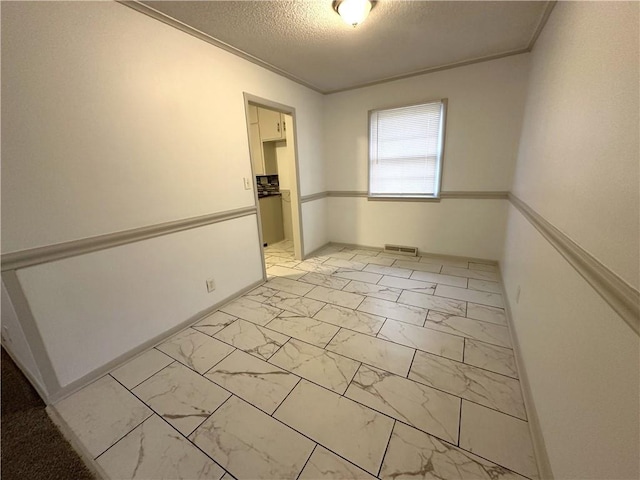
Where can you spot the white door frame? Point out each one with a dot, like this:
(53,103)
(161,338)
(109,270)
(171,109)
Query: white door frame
(296,213)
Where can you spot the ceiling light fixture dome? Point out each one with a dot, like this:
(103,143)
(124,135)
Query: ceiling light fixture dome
(353,12)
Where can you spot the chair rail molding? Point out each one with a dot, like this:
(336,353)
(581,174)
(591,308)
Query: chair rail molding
(621,296)
(58,251)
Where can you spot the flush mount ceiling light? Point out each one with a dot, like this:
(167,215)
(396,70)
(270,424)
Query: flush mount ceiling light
(353,12)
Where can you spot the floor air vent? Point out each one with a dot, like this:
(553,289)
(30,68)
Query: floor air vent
(408,251)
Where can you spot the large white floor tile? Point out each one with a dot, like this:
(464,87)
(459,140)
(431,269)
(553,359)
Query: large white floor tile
(316,267)
(293,303)
(451,261)
(351,319)
(260,294)
(464,272)
(397,256)
(196,350)
(256,312)
(425,408)
(371,290)
(325,280)
(280,271)
(498,437)
(250,444)
(481,386)
(486,313)
(153,450)
(389,356)
(440,279)
(326,465)
(355,432)
(408,284)
(467,327)
(253,339)
(396,311)
(336,297)
(303,328)
(344,255)
(348,274)
(468,295)
(419,266)
(289,286)
(351,265)
(256,381)
(392,271)
(212,324)
(490,357)
(181,396)
(431,302)
(483,266)
(320,366)
(374,259)
(414,454)
(101,413)
(485,286)
(425,339)
(140,368)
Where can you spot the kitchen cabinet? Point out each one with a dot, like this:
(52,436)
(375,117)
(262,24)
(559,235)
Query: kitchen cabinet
(271,219)
(272,125)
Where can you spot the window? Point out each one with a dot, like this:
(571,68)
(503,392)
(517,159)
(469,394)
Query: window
(405,150)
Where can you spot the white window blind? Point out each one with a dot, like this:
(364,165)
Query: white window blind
(405,150)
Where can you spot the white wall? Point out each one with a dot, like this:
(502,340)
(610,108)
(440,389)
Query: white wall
(579,144)
(314,224)
(484,115)
(578,167)
(92,308)
(119,121)
(453,227)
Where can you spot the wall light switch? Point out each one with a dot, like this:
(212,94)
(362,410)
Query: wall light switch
(247,183)
(211,285)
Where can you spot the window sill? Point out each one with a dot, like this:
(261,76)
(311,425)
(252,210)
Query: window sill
(403,198)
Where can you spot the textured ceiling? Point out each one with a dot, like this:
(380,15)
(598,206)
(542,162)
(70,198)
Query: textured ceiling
(309,41)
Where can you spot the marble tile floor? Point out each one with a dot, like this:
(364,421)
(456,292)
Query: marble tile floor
(349,365)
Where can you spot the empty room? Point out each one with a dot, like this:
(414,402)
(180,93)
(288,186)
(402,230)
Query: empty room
(320,239)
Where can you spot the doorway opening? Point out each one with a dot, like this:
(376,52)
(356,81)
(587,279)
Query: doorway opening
(271,129)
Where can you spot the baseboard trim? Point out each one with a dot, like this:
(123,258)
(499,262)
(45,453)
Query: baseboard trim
(539,447)
(58,251)
(621,296)
(420,253)
(100,372)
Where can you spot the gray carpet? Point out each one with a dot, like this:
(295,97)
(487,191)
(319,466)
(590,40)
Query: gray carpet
(31,445)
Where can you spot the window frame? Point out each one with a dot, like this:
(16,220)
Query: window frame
(440,165)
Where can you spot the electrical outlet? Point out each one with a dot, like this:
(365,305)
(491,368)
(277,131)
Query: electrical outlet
(247,183)
(211,285)
(518,295)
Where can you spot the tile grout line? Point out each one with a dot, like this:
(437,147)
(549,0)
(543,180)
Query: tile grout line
(305,463)
(390,341)
(384,455)
(174,428)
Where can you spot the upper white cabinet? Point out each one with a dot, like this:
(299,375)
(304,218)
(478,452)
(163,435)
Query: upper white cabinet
(272,125)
